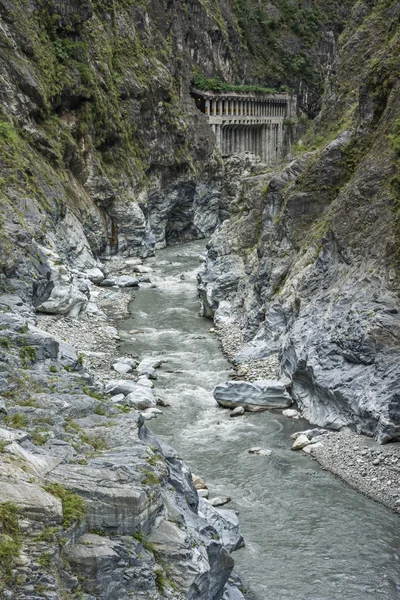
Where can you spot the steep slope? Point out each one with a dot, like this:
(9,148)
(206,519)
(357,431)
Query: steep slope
(309,258)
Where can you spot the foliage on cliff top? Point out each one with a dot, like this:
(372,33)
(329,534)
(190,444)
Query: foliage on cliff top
(285,41)
(217,85)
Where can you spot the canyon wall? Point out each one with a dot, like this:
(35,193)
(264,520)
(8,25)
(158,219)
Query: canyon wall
(307,265)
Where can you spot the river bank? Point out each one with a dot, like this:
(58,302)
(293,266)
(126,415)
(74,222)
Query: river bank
(100,507)
(370,468)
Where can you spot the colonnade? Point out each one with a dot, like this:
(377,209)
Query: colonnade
(247,107)
(247,123)
(264,140)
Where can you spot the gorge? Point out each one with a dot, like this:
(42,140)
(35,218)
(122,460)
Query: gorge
(129,130)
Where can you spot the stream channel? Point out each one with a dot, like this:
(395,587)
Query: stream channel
(308,535)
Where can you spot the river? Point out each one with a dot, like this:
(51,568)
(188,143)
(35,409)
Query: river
(308,535)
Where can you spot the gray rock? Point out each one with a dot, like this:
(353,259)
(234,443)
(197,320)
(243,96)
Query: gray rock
(148,372)
(64,300)
(219,500)
(225,522)
(237,412)
(300,442)
(253,396)
(118,398)
(122,368)
(95,275)
(120,386)
(140,397)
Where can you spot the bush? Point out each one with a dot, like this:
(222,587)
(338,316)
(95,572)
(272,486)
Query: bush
(74,507)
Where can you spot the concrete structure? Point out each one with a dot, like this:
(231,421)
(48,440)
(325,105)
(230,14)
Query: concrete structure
(247,122)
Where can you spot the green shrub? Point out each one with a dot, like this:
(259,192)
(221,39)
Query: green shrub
(16,421)
(74,507)
(10,540)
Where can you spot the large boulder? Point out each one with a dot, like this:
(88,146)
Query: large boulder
(253,396)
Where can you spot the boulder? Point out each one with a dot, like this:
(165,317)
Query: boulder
(300,442)
(219,500)
(225,522)
(121,368)
(34,502)
(148,372)
(140,398)
(120,386)
(95,275)
(64,300)
(239,410)
(253,396)
(291,413)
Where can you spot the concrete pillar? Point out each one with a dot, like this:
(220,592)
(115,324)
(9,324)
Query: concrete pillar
(213,110)
(207,107)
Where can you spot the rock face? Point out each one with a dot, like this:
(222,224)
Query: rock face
(306,265)
(252,396)
(100,507)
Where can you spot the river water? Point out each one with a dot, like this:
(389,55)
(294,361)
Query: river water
(308,535)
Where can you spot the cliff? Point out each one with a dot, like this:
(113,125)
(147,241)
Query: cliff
(317,279)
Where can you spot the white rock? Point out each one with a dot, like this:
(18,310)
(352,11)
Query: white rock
(118,398)
(203,493)
(300,442)
(143,381)
(121,386)
(260,451)
(141,398)
(309,449)
(291,413)
(219,500)
(121,368)
(236,412)
(95,275)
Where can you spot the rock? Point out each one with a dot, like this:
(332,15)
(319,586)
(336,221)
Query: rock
(33,501)
(3,407)
(253,396)
(13,435)
(291,413)
(203,493)
(198,482)
(119,398)
(219,500)
(310,448)
(225,522)
(300,442)
(242,371)
(64,300)
(122,368)
(145,382)
(161,402)
(260,451)
(123,281)
(140,398)
(126,360)
(149,362)
(236,412)
(148,372)
(95,275)
(120,386)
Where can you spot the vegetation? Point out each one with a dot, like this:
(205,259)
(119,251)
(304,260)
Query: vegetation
(10,537)
(98,442)
(74,507)
(217,85)
(16,421)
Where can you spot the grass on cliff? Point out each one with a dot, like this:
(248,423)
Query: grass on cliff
(217,85)
(10,538)
(74,507)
